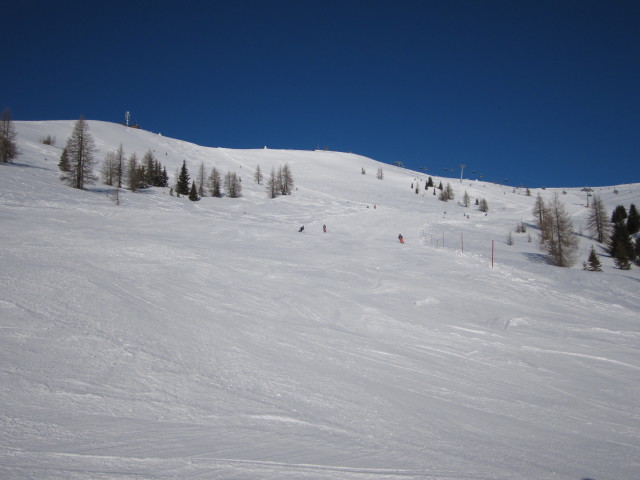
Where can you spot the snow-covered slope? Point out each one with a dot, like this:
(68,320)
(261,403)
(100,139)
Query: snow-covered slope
(163,338)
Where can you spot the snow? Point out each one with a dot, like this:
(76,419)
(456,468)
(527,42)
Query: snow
(162,338)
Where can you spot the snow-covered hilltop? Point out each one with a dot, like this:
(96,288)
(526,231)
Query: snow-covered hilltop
(164,338)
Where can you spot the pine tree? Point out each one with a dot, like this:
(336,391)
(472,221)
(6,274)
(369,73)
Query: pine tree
(232,185)
(150,168)
(619,214)
(538,211)
(430,182)
(63,164)
(620,246)
(182,184)
(621,257)
(286,180)
(8,145)
(80,149)
(484,205)
(447,193)
(597,220)
(466,199)
(556,236)
(449,190)
(164,178)
(633,220)
(133,173)
(193,193)
(620,242)
(272,184)
(201,179)
(215,183)
(257,176)
(593,262)
(119,159)
(109,168)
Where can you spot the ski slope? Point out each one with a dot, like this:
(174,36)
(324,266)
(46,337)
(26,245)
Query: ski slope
(167,339)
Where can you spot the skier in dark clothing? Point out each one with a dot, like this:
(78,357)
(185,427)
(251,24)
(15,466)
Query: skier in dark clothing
(401,238)
(324,228)
(301,229)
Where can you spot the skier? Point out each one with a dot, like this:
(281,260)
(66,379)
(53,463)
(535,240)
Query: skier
(324,228)
(401,238)
(301,229)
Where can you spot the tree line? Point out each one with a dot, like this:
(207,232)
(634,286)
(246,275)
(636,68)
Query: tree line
(560,242)
(557,238)
(77,166)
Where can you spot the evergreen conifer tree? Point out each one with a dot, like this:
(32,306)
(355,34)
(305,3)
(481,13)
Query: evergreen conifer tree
(620,242)
(182,184)
(621,257)
(63,164)
(257,176)
(164,178)
(193,193)
(593,262)
(619,214)
(150,168)
(633,220)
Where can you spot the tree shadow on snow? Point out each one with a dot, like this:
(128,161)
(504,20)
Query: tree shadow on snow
(105,190)
(24,165)
(537,257)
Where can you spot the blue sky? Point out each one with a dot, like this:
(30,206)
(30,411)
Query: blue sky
(542,93)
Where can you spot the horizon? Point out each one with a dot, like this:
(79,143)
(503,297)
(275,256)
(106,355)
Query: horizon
(541,94)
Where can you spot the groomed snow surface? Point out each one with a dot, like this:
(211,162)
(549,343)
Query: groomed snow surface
(167,339)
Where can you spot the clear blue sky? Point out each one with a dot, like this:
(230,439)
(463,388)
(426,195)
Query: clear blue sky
(543,93)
